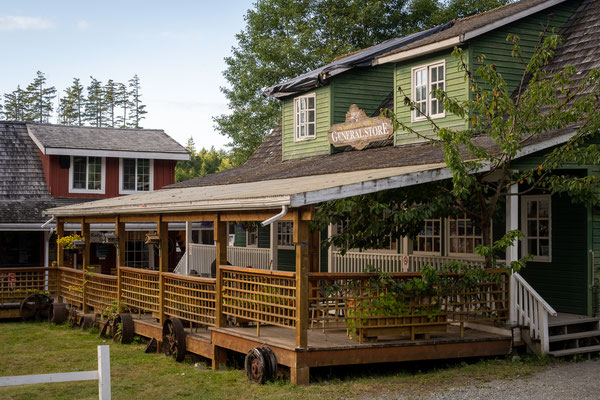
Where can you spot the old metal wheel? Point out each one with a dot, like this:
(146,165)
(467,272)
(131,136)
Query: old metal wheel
(256,367)
(58,313)
(87,321)
(270,361)
(173,338)
(122,328)
(35,307)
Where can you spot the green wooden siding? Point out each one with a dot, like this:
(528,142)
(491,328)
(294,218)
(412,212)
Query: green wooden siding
(264,236)
(563,282)
(498,51)
(365,87)
(456,87)
(240,236)
(286,260)
(305,148)
(594,242)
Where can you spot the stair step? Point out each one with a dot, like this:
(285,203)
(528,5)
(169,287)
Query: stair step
(578,335)
(579,350)
(574,321)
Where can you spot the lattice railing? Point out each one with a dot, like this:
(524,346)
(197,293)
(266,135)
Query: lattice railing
(71,285)
(356,303)
(140,289)
(261,296)
(100,291)
(18,283)
(189,298)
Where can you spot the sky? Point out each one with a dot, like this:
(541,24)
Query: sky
(175,47)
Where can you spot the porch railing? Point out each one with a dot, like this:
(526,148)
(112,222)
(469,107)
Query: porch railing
(140,289)
(530,310)
(100,291)
(19,282)
(71,283)
(203,255)
(258,258)
(267,297)
(356,262)
(190,298)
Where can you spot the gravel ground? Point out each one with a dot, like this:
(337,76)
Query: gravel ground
(572,381)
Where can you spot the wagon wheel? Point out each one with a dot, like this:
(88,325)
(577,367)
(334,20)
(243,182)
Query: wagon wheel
(256,366)
(35,307)
(173,338)
(87,321)
(73,317)
(122,329)
(58,313)
(270,360)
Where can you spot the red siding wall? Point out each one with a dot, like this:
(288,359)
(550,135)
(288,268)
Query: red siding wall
(57,178)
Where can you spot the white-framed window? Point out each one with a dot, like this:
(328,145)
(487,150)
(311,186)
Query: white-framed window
(87,174)
(305,125)
(285,235)
(536,223)
(463,236)
(430,239)
(425,80)
(136,175)
(252,236)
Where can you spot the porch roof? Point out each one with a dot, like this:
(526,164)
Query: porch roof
(269,194)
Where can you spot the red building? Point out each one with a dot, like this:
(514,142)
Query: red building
(44,166)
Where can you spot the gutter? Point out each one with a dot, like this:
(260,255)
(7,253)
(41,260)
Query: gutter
(284,210)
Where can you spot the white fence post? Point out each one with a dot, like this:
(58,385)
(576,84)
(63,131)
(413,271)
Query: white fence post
(104,372)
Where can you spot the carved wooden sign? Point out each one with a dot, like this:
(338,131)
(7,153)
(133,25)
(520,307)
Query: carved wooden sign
(359,130)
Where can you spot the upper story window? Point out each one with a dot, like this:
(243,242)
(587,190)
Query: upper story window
(425,80)
(136,175)
(536,225)
(86,174)
(305,126)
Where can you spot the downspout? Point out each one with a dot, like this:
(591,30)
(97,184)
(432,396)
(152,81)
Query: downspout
(45,224)
(284,210)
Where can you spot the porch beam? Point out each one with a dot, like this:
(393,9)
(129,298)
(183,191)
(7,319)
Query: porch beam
(302,239)
(85,233)
(188,240)
(221,238)
(189,217)
(512,221)
(100,220)
(163,249)
(253,216)
(121,237)
(60,232)
(140,218)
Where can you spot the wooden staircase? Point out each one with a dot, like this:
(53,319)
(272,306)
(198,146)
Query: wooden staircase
(571,334)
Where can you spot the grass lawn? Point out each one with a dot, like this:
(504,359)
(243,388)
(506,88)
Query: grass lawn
(35,348)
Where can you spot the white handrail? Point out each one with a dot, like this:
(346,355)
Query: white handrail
(529,309)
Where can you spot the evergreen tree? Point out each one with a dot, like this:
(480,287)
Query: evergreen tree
(137,108)
(71,106)
(39,99)
(14,106)
(110,101)
(201,162)
(123,102)
(95,109)
(283,39)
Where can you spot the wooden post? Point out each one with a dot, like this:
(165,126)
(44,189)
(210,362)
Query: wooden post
(302,243)
(60,232)
(121,236)
(163,263)
(221,238)
(85,233)
(188,239)
(314,251)
(273,248)
(330,258)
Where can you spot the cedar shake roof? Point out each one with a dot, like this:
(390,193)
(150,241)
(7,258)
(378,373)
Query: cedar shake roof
(71,140)
(23,191)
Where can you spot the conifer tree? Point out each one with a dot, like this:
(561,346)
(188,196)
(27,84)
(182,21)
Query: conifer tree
(110,101)
(137,108)
(95,108)
(71,106)
(123,103)
(39,99)
(14,107)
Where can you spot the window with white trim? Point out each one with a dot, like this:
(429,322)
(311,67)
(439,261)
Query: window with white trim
(136,175)
(463,235)
(252,236)
(305,126)
(426,80)
(536,216)
(285,234)
(430,238)
(86,174)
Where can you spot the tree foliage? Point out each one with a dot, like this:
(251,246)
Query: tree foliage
(283,39)
(482,175)
(202,162)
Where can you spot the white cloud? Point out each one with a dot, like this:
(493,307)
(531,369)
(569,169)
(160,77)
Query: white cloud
(13,23)
(82,25)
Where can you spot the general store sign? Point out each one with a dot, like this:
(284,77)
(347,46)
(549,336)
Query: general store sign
(359,130)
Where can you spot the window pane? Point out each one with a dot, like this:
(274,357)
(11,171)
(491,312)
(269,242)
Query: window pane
(532,246)
(79,172)
(311,129)
(128,174)
(311,116)
(544,208)
(94,173)
(143,175)
(544,247)
(532,209)
(311,102)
